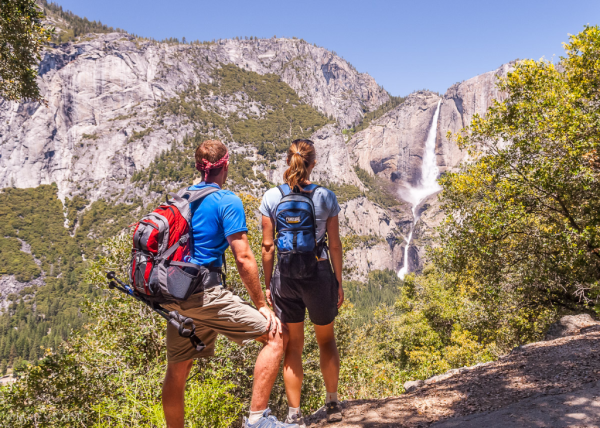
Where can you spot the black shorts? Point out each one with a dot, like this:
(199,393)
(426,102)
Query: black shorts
(291,297)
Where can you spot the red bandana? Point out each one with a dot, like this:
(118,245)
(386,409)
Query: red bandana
(206,166)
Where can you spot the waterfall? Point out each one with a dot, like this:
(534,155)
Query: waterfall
(428,184)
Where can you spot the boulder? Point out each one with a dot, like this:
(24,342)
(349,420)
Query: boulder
(570,325)
(412,385)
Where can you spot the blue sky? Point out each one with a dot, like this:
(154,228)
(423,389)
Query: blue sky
(405,45)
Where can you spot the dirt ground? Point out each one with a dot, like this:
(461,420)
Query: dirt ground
(544,384)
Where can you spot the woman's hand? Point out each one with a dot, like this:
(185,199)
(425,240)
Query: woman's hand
(269,298)
(340,295)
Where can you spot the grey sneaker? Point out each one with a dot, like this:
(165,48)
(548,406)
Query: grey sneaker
(334,411)
(296,419)
(267,421)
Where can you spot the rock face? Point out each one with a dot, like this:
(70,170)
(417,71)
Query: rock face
(318,76)
(392,146)
(460,103)
(363,217)
(99,125)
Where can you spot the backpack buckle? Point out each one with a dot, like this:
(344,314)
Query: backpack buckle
(184,239)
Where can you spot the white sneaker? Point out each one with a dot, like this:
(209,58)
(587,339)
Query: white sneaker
(267,421)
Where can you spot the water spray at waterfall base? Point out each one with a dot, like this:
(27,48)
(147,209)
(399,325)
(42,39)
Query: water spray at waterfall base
(428,185)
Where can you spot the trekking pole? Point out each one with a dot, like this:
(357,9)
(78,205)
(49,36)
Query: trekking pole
(184,325)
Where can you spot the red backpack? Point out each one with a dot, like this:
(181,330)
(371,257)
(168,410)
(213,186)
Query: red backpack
(161,239)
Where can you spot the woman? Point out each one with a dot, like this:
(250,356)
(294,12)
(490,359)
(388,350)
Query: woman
(322,294)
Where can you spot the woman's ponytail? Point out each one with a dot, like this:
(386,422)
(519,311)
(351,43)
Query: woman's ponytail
(300,156)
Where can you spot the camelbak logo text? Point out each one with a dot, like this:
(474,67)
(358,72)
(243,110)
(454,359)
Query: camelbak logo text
(292,219)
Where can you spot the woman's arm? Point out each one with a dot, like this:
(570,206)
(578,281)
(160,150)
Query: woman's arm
(336,253)
(268,253)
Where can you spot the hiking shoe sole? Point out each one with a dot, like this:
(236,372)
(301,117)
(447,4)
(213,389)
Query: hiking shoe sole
(298,421)
(334,412)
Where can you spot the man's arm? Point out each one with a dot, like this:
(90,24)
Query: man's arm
(248,269)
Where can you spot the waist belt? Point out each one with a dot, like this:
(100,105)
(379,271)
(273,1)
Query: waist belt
(210,277)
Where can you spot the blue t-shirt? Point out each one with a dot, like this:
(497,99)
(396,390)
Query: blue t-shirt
(220,215)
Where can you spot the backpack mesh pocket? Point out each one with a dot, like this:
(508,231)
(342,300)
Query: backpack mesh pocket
(182,284)
(297,265)
(141,268)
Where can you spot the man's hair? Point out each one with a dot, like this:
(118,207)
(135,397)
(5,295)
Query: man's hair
(211,151)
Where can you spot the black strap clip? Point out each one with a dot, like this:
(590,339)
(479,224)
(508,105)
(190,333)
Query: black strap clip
(186,328)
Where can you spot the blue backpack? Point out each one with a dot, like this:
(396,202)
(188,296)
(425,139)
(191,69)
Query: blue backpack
(296,227)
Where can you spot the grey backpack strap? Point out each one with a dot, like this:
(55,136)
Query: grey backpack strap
(184,197)
(199,194)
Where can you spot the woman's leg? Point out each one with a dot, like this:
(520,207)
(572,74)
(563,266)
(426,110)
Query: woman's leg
(292,363)
(330,358)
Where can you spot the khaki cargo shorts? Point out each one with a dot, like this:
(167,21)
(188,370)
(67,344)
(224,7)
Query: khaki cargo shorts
(214,311)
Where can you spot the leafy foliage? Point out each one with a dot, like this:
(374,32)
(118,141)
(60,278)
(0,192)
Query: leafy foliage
(22,37)
(36,216)
(524,216)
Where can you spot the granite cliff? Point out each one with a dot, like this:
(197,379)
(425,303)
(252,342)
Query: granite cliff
(106,120)
(102,94)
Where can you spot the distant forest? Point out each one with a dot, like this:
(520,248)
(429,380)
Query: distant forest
(73,26)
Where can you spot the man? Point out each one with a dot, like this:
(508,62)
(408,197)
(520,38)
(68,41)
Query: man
(219,221)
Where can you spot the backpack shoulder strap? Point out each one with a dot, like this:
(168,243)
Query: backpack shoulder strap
(284,189)
(312,191)
(184,197)
(194,195)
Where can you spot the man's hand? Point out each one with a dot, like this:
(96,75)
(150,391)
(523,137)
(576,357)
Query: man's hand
(269,298)
(340,296)
(273,323)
